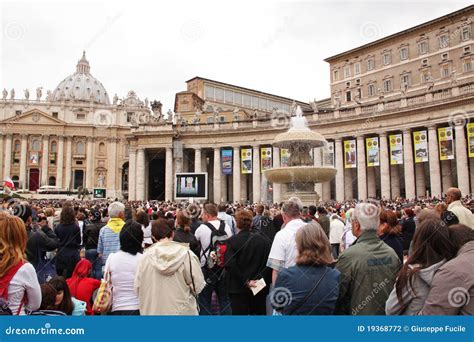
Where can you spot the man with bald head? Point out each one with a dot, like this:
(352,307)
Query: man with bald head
(453,200)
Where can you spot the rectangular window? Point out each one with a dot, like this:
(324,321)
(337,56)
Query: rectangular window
(335,75)
(443,41)
(467,65)
(55,115)
(387,86)
(387,58)
(347,71)
(405,79)
(425,76)
(445,71)
(229,96)
(238,98)
(219,93)
(348,96)
(209,92)
(403,53)
(254,102)
(371,90)
(467,50)
(357,69)
(80,116)
(370,64)
(262,104)
(17,112)
(247,102)
(129,117)
(465,33)
(444,56)
(423,47)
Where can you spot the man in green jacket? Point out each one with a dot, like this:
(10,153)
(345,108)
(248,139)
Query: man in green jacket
(368,268)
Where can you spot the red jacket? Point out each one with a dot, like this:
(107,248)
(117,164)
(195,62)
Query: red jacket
(81,286)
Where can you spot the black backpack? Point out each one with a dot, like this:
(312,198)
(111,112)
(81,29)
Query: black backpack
(217,246)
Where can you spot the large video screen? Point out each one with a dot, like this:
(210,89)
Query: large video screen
(191,185)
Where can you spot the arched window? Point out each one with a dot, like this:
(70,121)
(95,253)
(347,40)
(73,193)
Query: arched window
(80,147)
(52,181)
(35,145)
(54,147)
(102,149)
(17,146)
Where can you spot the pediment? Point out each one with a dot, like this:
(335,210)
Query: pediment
(34,117)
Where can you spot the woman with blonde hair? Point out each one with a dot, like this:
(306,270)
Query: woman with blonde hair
(19,287)
(311,287)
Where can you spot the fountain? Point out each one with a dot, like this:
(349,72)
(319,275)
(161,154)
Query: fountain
(300,174)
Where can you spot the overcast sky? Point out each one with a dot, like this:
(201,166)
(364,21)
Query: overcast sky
(153,47)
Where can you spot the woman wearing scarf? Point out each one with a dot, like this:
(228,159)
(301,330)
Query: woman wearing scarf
(81,285)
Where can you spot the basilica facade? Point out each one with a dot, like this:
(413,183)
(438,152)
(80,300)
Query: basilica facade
(399,122)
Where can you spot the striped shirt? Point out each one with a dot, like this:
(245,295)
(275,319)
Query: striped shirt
(109,242)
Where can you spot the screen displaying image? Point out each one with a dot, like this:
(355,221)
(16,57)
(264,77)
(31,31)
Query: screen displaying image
(191,185)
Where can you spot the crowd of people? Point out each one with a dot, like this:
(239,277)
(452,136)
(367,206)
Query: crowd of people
(162,258)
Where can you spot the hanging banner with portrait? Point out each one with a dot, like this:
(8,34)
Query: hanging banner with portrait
(470,139)
(34,158)
(284,157)
(396,149)
(246,161)
(266,161)
(446,143)
(373,151)
(226,160)
(421,146)
(350,154)
(328,154)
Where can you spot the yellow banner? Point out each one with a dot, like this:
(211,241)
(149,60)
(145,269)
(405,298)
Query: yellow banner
(396,149)
(420,142)
(284,157)
(445,143)
(373,152)
(266,158)
(470,139)
(246,160)
(350,155)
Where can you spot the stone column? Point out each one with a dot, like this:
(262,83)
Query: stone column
(361,169)
(140,176)
(8,155)
(446,176)
(471,173)
(395,180)
(371,183)
(67,183)
(326,196)
(90,164)
(132,174)
(256,176)
(217,175)
(420,179)
(197,160)
(60,162)
(340,170)
(169,177)
(112,167)
(45,160)
(318,187)
(23,158)
(348,184)
(236,184)
(408,165)
(461,160)
(384,167)
(276,187)
(435,174)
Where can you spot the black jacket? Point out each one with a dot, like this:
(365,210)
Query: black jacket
(69,238)
(396,242)
(187,237)
(91,235)
(408,230)
(246,259)
(40,241)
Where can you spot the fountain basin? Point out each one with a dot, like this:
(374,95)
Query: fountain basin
(300,174)
(292,137)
